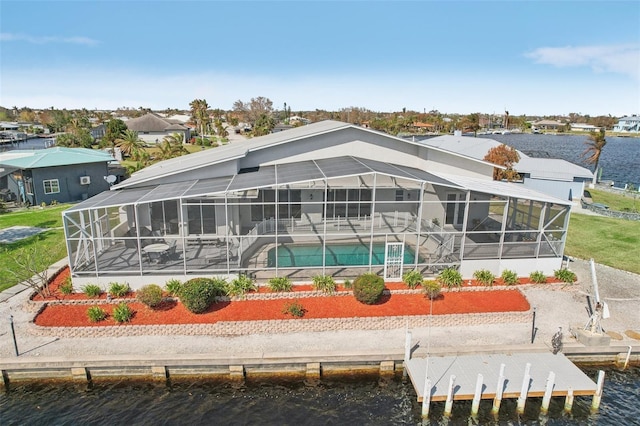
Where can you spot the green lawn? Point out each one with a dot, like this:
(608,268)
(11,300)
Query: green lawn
(50,242)
(612,242)
(627,202)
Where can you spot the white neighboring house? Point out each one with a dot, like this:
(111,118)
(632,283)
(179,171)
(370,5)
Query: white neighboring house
(583,127)
(628,124)
(551,176)
(152,128)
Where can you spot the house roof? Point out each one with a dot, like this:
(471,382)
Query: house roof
(239,150)
(537,168)
(151,122)
(266,176)
(53,157)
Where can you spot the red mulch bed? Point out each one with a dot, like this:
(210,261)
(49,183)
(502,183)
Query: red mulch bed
(315,307)
(170,312)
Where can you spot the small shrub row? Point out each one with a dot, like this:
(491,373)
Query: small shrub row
(280,284)
(412,278)
(432,289)
(565,275)
(150,295)
(198,294)
(484,277)
(450,277)
(324,283)
(240,286)
(119,289)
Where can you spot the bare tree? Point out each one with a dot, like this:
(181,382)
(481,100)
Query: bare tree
(32,266)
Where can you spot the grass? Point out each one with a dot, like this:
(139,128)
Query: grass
(628,201)
(612,242)
(51,241)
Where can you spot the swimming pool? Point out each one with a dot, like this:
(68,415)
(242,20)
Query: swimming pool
(337,255)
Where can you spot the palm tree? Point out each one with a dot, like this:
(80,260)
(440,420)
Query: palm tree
(171,147)
(595,144)
(199,114)
(129,142)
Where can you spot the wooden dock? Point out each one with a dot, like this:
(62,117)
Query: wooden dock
(567,378)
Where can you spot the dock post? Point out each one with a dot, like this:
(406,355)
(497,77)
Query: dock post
(522,399)
(426,398)
(475,405)
(448,405)
(498,398)
(407,351)
(546,399)
(595,403)
(568,401)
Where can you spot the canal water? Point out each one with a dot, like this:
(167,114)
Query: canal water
(345,400)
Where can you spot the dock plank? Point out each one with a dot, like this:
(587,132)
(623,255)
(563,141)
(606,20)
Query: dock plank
(467,367)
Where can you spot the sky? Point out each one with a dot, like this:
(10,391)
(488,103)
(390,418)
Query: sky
(526,57)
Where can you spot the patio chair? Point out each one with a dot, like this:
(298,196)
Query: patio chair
(169,253)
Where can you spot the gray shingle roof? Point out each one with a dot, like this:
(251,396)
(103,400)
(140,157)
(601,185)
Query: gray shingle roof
(152,123)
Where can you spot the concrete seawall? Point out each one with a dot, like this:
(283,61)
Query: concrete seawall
(309,365)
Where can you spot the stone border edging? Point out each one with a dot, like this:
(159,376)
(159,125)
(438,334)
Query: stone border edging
(239,328)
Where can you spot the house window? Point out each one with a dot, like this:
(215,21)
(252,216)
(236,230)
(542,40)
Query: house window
(202,217)
(289,204)
(51,186)
(348,203)
(455,209)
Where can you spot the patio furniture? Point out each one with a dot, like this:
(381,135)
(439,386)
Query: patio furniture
(154,251)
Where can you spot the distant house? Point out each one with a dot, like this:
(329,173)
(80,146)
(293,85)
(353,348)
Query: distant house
(152,128)
(628,124)
(98,131)
(583,127)
(547,124)
(555,177)
(60,174)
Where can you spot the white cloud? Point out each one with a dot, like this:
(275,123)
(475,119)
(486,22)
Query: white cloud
(47,39)
(620,58)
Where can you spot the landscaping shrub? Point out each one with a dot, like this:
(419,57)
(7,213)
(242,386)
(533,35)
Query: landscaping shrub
(538,277)
(119,289)
(484,277)
(412,278)
(173,287)
(432,289)
(240,286)
(347,284)
(96,314)
(280,284)
(509,277)
(565,275)
(295,309)
(122,313)
(368,288)
(198,294)
(324,283)
(150,295)
(92,290)
(450,277)
(67,286)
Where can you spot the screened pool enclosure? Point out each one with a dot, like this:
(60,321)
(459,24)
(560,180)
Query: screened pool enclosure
(339,216)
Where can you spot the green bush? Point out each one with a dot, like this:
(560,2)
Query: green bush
(240,286)
(484,277)
(122,313)
(92,290)
(295,309)
(280,284)
(173,287)
(324,283)
(509,277)
(150,295)
(96,314)
(412,278)
(538,277)
(368,288)
(67,286)
(119,289)
(432,289)
(565,275)
(198,294)
(347,284)
(450,277)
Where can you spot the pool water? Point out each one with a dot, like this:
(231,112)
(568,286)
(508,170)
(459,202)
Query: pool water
(337,255)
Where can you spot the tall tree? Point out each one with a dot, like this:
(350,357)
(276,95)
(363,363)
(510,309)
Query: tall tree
(471,122)
(506,156)
(257,109)
(171,147)
(595,144)
(200,114)
(113,131)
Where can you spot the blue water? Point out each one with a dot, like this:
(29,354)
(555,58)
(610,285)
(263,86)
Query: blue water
(336,255)
(347,400)
(34,143)
(619,160)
